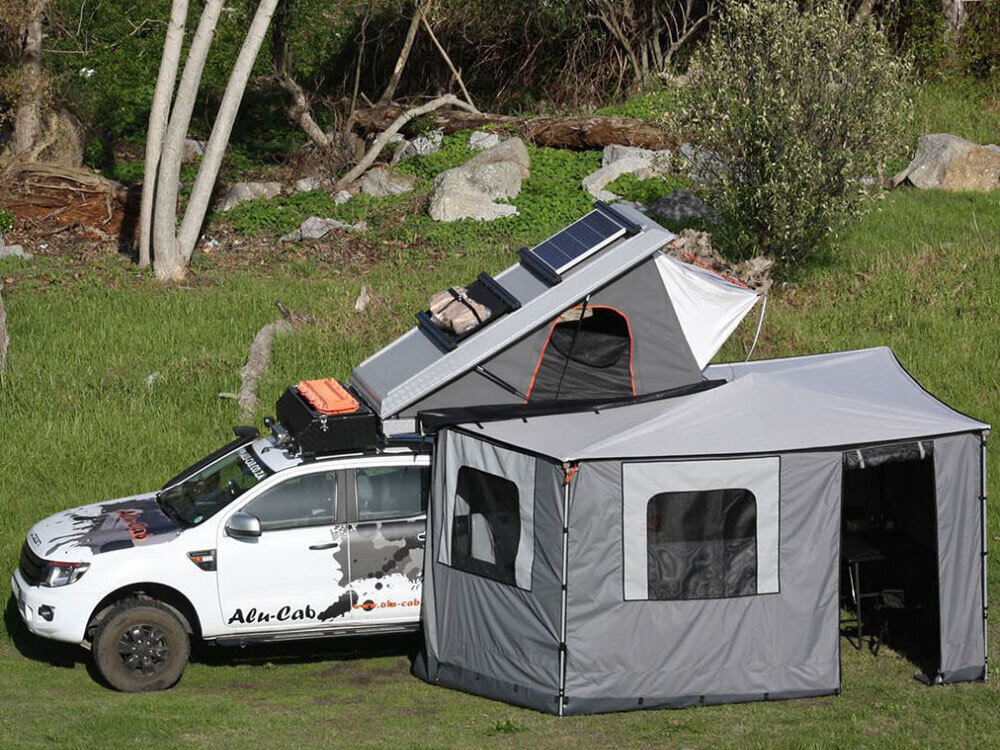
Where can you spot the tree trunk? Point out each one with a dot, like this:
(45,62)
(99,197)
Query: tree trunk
(159,114)
(404,53)
(215,149)
(167,263)
(299,110)
(954,13)
(28,118)
(394,127)
(558,132)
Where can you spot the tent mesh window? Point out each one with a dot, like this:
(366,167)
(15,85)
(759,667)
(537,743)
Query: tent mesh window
(588,355)
(701,545)
(486,527)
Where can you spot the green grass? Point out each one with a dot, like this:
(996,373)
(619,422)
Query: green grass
(79,423)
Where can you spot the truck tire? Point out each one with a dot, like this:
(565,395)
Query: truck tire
(139,646)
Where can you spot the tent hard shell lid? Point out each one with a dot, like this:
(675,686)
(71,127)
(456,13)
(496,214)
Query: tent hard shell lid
(621,320)
(709,528)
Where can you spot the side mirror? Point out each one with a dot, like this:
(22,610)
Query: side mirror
(243,526)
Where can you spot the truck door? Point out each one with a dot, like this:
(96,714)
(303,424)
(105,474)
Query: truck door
(387,532)
(294,576)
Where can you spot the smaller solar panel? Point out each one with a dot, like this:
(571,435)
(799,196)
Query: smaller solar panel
(578,241)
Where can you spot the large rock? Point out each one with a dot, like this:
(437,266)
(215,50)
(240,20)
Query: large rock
(948,162)
(470,191)
(422,145)
(315,228)
(681,205)
(617,151)
(380,182)
(245,191)
(310,183)
(480,140)
(192,150)
(618,160)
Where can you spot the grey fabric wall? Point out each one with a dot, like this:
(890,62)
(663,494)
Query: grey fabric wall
(487,637)
(957,478)
(630,654)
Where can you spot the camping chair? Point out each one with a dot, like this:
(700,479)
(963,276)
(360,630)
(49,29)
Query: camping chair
(888,604)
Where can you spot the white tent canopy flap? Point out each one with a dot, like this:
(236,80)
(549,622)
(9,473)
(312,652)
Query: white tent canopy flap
(708,307)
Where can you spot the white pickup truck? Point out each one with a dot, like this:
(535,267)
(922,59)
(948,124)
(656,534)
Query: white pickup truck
(253,543)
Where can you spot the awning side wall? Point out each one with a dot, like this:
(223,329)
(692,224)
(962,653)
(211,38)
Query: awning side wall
(957,481)
(480,635)
(685,652)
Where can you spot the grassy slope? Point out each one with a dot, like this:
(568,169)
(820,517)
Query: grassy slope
(79,423)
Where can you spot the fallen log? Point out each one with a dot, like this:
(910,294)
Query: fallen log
(583,132)
(4,336)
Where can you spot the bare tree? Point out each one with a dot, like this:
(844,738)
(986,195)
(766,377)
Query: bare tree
(300,108)
(651,32)
(159,113)
(172,248)
(26,17)
(404,53)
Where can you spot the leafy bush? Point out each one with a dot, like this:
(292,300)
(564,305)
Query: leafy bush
(919,28)
(979,40)
(798,106)
(6,221)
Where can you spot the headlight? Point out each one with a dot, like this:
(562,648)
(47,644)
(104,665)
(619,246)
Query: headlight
(64,573)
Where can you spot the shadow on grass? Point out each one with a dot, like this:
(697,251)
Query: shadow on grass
(342,649)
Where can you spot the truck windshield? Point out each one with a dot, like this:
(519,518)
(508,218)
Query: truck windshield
(206,492)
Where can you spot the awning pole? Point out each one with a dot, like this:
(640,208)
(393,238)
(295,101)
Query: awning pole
(568,472)
(982,528)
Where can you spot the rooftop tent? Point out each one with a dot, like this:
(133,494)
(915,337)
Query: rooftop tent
(622,319)
(713,542)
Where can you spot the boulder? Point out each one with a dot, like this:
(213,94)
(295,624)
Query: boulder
(245,191)
(422,145)
(617,160)
(342,196)
(703,165)
(315,228)
(380,182)
(13,251)
(192,150)
(948,162)
(681,205)
(513,149)
(480,140)
(308,184)
(616,151)
(470,191)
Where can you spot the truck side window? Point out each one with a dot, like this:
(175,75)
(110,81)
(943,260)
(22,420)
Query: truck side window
(392,492)
(309,500)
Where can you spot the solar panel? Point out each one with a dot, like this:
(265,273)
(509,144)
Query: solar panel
(578,241)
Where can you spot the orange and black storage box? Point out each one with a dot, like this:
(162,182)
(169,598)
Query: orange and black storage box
(325,416)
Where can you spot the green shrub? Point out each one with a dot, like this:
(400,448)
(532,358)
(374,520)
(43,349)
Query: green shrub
(979,40)
(6,221)
(799,105)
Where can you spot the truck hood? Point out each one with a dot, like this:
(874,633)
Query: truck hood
(80,533)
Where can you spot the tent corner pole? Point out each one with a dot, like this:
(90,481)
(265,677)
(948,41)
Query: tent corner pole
(982,527)
(569,471)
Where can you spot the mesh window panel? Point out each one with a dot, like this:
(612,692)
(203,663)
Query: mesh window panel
(486,527)
(588,358)
(702,545)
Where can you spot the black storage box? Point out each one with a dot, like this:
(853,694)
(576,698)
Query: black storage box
(316,433)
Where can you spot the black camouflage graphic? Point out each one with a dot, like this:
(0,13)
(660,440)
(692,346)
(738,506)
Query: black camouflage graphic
(115,525)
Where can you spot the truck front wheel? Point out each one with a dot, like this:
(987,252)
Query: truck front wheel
(140,645)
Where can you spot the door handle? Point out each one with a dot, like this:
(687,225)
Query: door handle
(422,536)
(331,545)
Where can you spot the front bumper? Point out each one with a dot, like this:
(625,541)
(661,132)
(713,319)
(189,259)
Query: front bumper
(68,610)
